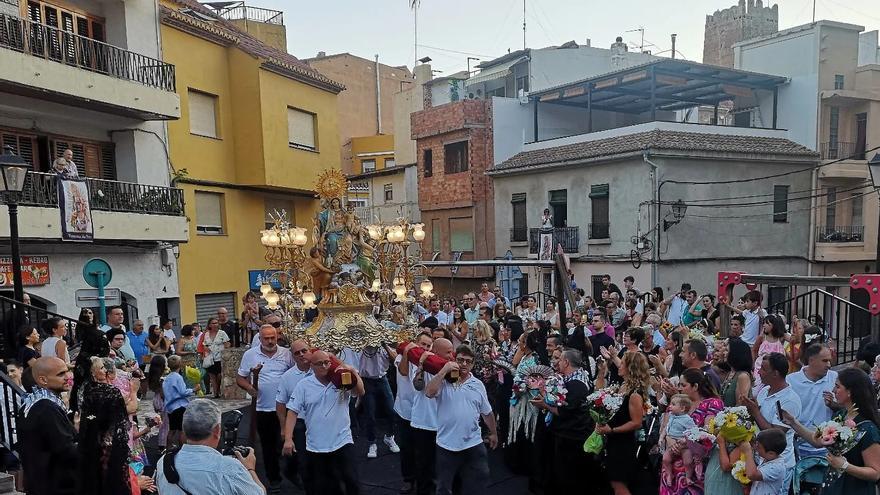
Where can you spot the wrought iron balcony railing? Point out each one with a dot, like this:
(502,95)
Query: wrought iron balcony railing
(567,236)
(840,233)
(107,195)
(85,53)
(839,150)
(256,14)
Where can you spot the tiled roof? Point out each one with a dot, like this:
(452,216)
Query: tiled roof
(283,61)
(653,140)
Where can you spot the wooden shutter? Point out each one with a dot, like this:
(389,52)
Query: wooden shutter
(108,161)
(24,146)
(301,128)
(202,114)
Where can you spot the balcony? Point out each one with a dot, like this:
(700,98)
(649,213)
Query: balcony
(239,11)
(599,231)
(566,236)
(839,150)
(120,210)
(56,65)
(840,233)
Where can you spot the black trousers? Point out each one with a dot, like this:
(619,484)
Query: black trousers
(334,473)
(569,457)
(270,442)
(299,462)
(470,466)
(425,443)
(407,450)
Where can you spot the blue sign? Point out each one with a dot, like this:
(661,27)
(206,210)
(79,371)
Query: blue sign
(97,273)
(256,278)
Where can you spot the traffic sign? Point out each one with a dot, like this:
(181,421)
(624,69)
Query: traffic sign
(89,298)
(97,273)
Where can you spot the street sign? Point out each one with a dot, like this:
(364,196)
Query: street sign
(89,298)
(93,268)
(98,274)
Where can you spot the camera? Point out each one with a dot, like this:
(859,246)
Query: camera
(241,449)
(230,434)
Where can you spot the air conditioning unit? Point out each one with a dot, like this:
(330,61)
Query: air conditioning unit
(523,99)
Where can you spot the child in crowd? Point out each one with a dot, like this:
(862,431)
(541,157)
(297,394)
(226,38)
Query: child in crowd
(768,478)
(678,420)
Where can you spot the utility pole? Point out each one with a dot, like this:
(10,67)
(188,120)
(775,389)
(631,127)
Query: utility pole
(414,5)
(524,24)
(814,11)
(673,45)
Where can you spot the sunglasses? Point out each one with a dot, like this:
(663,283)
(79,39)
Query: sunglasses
(464,361)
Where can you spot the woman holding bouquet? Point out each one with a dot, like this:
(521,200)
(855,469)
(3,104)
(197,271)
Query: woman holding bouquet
(696,384)
(860,466)
(620,432)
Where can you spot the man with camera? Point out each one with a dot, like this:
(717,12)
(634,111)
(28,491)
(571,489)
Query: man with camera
(198,467)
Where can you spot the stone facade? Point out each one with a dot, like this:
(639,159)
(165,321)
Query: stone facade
(460,195)
(231,360)
(724,28)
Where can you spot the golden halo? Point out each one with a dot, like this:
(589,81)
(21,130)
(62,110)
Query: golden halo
(331,184)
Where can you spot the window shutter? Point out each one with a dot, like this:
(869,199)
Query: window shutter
(599,191)
(301,128)
(209,216)
(23,145)
(92,160)
(208,304)
(518,198)
(559,196)
(108,161)
(461,234)
(202,114)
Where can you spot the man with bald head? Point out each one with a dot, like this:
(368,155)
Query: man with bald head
(229,327)
(424,420)
(271,362)
(296,471)
(49,455)
(329,444)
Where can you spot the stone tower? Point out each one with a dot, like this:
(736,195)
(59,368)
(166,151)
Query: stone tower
(750,19)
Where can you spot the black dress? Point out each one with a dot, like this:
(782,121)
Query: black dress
(94,343)
(620,448)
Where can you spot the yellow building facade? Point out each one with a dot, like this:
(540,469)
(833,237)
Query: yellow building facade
(257,127)
(368,154)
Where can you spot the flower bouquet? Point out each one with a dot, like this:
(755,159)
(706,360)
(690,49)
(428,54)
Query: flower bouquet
(739,471)
(192,376)
(734,424)
(603,405)
(555,391)
(839,438)
(699,442)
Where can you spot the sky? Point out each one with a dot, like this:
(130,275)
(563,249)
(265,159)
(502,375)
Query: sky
(449,31)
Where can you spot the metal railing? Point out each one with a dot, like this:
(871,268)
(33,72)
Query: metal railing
(599,230)
(33,316)
(838,150)
(386,213)
(840,233)
(567,236)
(844,322)
(85,53)
(41,189)
(10,405)
(519,234)
(257,14)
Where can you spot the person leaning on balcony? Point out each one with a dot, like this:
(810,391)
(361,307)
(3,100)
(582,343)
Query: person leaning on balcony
(64,165)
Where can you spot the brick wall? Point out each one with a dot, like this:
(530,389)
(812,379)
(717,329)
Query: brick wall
(457,195)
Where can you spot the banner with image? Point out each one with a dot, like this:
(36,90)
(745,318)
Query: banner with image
(76,213)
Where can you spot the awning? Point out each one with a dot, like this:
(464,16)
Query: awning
(496,72)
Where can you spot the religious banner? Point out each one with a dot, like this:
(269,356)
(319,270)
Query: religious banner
(34,271)
(76,213)
(545,252)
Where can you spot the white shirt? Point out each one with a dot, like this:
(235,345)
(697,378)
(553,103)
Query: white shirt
(676,310)
(324,408)
(774,473)
(790,402)
(170,335)
(459,408)
(403,403)
(752,327)
(813,408)
(289,380)
(274,367)
(442,318)
(350,357)
(424,410)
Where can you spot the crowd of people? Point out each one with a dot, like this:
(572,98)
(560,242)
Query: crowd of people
(618,395)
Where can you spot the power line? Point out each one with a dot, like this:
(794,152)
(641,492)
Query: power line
(781,174)
(761,215)
(747,196)
(767,202)
(456,51)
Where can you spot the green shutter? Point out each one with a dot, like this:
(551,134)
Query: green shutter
(599,191)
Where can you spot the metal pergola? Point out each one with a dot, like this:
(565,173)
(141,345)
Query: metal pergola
(661,85)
